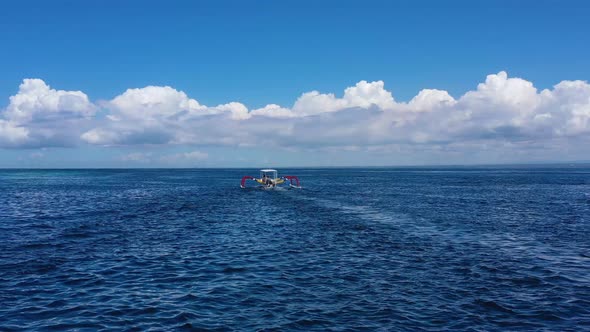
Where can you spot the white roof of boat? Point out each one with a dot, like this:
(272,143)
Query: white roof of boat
(268,170)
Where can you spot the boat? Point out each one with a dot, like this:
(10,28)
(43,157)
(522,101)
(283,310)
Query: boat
(269,179)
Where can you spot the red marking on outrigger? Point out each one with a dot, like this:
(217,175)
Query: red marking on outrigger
(247,177)
(291,178)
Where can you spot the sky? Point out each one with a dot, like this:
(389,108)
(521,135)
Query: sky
(293,83)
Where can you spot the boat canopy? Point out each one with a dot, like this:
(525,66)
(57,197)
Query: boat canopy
(270,173)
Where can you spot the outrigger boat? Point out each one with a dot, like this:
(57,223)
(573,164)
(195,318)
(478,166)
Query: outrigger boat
(269,179)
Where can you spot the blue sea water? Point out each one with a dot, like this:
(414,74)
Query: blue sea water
(388,249)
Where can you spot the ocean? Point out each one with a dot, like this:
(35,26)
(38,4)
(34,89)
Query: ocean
(373,249)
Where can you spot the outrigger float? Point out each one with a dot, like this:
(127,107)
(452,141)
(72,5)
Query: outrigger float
(269,179)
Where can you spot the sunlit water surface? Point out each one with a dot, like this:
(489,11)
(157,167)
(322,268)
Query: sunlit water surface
(416,249)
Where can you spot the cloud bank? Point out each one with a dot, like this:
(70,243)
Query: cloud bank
(501,109)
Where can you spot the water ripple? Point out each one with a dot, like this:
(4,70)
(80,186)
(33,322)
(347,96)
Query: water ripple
(418,250)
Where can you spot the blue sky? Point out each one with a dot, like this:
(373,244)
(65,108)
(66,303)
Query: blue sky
(268,52)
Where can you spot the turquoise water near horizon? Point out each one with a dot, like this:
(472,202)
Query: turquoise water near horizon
(489,248)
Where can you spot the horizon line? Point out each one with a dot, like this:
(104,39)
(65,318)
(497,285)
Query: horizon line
(524,164)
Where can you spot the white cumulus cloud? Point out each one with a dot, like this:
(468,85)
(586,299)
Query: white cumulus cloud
(41,116)
(502,111)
